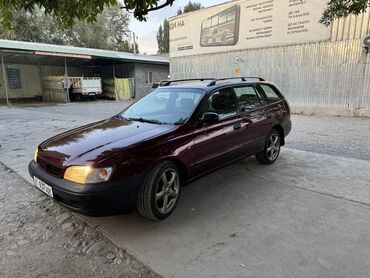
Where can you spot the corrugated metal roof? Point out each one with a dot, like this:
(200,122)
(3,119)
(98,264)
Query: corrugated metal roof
(95,53)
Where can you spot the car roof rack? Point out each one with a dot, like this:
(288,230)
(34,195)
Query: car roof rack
(164,83)
(213,81)
(243,78)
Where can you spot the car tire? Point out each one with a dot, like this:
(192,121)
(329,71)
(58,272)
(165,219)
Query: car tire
(160,192)
(271,150)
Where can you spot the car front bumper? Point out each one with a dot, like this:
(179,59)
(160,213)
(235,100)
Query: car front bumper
(101,199)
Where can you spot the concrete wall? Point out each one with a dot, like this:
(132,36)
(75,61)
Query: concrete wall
(30,82)
(159,72)
(121,71)
(59,70)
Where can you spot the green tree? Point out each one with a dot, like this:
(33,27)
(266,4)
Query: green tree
(163,37)
(160,39)
(110,31)
(342,8)
(67,12)
(190,7)
(163,34)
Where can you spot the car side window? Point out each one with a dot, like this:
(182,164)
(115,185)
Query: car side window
(221,102)
(271,93)
(248,98)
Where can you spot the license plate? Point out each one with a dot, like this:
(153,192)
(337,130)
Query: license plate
(43,186)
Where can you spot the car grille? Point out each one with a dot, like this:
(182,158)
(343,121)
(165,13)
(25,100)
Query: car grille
(53,170)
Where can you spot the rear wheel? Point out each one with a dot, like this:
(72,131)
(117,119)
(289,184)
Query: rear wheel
(160,192)
(272,148)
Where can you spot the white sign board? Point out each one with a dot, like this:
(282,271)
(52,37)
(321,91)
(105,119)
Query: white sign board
(247,24)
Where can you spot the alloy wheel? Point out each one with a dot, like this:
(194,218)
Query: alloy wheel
(167,191)
(273,147)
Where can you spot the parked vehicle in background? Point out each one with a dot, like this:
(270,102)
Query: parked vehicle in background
(85,87)
(143,156)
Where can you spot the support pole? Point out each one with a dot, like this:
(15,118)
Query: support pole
(66,79)
(114,78)
(114,70)
(5,81)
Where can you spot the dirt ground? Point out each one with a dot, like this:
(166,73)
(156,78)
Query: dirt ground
(39,238)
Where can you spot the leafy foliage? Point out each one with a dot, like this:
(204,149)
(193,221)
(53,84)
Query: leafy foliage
(190,7)
(67,12)
(343,8)
(141,8)
(109,31)
(163,37)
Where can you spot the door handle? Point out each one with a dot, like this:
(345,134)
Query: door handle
(237,126)
(269,116)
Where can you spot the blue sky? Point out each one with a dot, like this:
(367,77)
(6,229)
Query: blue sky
(146,31)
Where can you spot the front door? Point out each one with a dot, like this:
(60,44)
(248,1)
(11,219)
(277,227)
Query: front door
(216,144)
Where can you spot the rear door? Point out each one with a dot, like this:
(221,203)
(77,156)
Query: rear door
(254,112)
(276,108)
(216,144)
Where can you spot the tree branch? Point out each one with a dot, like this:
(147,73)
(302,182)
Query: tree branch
(141,12)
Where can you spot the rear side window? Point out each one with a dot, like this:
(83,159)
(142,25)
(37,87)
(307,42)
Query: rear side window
(248,98)
(271,94)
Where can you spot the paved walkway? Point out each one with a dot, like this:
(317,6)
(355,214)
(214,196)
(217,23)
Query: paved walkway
(308,215)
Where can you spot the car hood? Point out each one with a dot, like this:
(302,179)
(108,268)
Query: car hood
(93,142)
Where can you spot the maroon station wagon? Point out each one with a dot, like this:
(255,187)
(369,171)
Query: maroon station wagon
(141,157)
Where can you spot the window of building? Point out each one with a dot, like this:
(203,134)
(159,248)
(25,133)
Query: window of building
(271,94)
(149,77)
(248,98)
(14,78)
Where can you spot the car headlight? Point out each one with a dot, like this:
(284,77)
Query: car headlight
(35,154)
(87,174)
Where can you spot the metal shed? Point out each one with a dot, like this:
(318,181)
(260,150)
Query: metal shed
(26,64)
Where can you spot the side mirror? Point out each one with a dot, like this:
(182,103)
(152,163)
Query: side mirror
(210,118)
(155,85)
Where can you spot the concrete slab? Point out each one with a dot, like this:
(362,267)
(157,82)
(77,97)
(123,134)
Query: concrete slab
(305,216)
(304,234)
(216,214)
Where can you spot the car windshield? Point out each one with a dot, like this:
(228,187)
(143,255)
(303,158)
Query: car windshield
(164,106)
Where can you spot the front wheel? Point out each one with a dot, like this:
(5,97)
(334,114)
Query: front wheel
(159,194)
(272,148)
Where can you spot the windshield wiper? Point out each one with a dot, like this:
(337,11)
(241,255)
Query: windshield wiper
(142,120)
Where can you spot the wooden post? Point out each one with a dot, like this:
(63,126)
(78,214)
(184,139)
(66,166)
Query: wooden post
(66,79)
